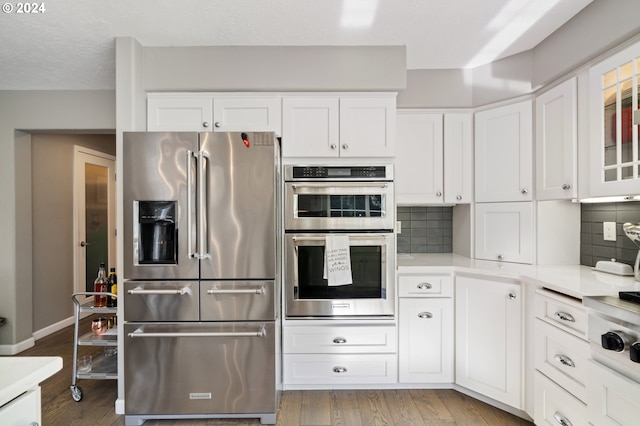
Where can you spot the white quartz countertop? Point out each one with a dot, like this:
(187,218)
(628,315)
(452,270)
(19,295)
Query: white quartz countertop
(18,374)
(573,280)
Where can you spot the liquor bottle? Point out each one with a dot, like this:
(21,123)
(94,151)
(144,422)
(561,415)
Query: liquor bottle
(112,287)
(100,286)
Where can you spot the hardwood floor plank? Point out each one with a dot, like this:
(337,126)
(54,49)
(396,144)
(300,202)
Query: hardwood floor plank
(461,408)
(316,408)
(373,408)
(402,408)
(431,407)
(345,410)
(290,408)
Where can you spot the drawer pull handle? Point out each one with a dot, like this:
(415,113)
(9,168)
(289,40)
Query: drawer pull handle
(564,360)
(425,286)
(565,316)
(562,420)
(425,315)
(339,340)
(339,369)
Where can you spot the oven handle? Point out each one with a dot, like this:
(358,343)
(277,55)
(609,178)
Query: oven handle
(176,291)
(259,333)
(311,186)
(216,290)
(368,237)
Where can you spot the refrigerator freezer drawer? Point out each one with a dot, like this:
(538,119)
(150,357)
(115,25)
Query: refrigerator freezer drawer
(161,301)
(237,300)
(200,368)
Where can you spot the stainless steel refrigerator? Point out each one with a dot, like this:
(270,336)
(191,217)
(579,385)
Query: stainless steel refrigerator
(202,275)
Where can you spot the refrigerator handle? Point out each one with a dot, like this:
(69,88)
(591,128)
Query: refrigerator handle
(203,164)
(191,253)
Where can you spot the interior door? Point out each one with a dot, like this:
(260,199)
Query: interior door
(94,217)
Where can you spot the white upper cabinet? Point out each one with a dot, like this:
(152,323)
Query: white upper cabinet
(434,157)
(556,143)
(213,112)
(613,99)
(458,158)
(419,158)
(339,126)
(503,153)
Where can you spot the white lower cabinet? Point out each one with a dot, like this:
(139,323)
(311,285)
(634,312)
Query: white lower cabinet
(612,399)
(555,406)
(334,354)
(24,410)
(489,338)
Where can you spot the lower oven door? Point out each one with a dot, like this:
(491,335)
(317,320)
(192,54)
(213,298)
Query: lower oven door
(199,368)
(308,293)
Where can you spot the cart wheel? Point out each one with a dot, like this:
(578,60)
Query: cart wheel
(76,393)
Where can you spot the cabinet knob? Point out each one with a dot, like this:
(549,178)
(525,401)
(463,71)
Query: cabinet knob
(345,146)
(339,369)
(458,197)
(339,340)
(524,191)
(333,146)
(205,124)
(564,360)
(512,296)
(562,420)
(500,257)
(566,186)
(217,124)
(425,315)
(424,286)
(438,194)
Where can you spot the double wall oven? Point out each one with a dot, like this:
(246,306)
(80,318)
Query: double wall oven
(352,201)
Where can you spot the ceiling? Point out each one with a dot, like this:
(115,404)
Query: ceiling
(70,45)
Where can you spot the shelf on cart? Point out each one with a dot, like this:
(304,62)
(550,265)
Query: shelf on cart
(109,338)
(102,368)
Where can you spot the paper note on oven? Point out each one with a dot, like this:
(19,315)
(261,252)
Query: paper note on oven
(337,260)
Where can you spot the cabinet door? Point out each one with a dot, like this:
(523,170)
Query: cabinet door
(489,338)
(179,114)
(425,353)
(418,162)
(458,158)
(504,231)
(310,127)
(255,114)
(556,143)
(612,398)
(613,99)
(367,126)
(503,153)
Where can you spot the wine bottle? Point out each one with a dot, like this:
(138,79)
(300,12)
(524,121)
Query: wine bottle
(112,287)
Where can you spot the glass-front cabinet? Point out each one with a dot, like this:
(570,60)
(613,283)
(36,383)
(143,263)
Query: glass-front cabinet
(615,157)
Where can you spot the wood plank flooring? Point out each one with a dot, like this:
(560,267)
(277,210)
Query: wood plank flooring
(297,408)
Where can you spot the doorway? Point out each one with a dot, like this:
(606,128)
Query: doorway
(94,215)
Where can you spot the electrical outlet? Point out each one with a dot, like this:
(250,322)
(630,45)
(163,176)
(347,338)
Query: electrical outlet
(609,231)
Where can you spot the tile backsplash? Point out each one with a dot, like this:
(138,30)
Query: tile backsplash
(593,247)
(425,229)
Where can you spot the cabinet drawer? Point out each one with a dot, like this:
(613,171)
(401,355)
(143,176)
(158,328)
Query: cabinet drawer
(562,357)
(425,285)
(348,369)
(562,311)
(339,339)
(613,399)
(553,405)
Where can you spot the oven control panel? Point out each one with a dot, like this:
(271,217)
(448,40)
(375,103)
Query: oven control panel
(355,173)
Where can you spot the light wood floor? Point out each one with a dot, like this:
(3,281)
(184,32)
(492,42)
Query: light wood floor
(297,408)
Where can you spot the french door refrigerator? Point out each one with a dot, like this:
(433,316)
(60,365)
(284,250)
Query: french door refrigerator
(202,275)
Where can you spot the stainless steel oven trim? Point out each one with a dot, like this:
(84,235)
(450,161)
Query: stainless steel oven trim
(336,308)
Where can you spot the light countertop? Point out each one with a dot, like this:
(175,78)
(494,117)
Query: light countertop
(573,280)
(18,374)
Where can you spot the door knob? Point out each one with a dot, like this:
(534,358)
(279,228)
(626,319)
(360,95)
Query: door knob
(84,244)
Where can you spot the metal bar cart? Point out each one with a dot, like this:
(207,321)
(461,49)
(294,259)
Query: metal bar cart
(102,367)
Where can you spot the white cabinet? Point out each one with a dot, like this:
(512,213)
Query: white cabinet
(489,338)
(419,158)
(504,231)
(458,158)
(613,93)
(503,153)
(434,157)
(24,410)
(613,399)
(557,142)
(213,112)
(425,345)
(554,406)
(339,126)
(339,354)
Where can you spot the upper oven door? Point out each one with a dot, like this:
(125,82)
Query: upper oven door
(339,206)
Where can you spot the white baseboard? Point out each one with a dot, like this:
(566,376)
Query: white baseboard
(119,406)
(44,332)
(18,347)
